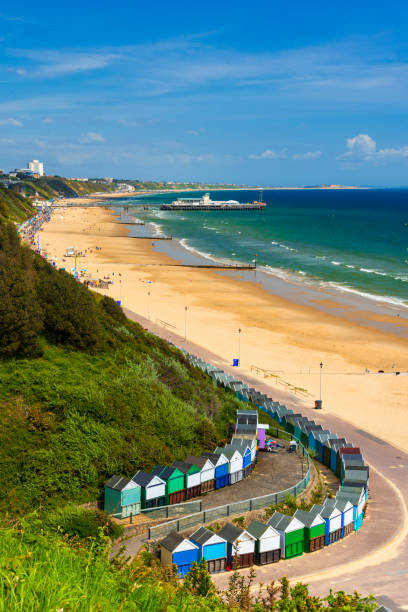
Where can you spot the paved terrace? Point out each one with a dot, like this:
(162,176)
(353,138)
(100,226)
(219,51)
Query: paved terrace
(372,560)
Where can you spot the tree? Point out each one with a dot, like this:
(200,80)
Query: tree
(20,314)
(198,580)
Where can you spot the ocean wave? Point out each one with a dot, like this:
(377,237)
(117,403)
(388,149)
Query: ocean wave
(370,296)
(336,263)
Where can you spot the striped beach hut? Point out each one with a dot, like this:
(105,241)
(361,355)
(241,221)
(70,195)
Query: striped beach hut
(176,550)
(346,509)
(348,461)
(357,477)
(267,542)
(315,527)
(332,518)
(247,422)
(175,483)
(212,548)
(153,489)
(234,463)
(345,452)
(122,497)
(192,478)
(207,472)
(292,534)
(220,463)
(240,545)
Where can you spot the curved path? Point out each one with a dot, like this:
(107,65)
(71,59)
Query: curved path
(372,560)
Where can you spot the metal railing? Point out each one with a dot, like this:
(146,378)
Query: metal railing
(247,505)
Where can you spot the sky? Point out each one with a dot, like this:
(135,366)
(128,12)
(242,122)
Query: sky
(257,93)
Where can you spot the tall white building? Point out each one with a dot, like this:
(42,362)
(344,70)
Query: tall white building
(36,166)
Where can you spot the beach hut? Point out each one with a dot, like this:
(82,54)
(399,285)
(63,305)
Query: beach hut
(240,545)
(320,439)
(314,529)
(356,497)
(298,427)
(349,460)
(267,542)
(332,518)
(289,420)
(346,509)
(176,550)
(313,436)
(220,463)
(357,477)
(343,452)
(327,449)
(153,489)
(207,472)
(122,497)
(334,452)
(244,449)
(175,483)
(292,534)
(192,478)
(261,435)
(307,430)
(234,463)
(241,441)
(212,548)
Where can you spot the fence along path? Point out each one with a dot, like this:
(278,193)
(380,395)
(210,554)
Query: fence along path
(247,505)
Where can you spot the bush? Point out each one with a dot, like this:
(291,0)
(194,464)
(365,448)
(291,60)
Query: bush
(83,523)
(111,308)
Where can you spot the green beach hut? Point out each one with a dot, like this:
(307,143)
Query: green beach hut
(314,530)
(122,497)
(292,534)
(174,479)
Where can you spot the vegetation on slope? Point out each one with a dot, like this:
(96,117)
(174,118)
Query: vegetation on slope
(13,206)
(85,393)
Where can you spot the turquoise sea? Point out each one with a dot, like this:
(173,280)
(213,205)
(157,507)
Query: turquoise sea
(352,240)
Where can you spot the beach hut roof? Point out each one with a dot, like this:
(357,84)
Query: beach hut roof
(281,521)
(173,540)
(183,466)
(329,507)
(117,482)
(309,519)
(258,529)
(230,532)
(203,535)
(143,479)
(200,462)
(158,470)
(343,504)
(213,457)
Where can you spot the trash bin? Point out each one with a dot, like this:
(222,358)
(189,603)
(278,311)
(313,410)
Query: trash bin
(235,362)
(118,302)
(318,404)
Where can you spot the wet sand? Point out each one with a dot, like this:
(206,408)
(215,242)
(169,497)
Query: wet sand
(282,338)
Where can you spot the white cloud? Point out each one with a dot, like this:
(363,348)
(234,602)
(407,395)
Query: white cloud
(91,137)
(193,132)
(363,148)
(48,120)
(308,155)
(362,144)
(10,121)
(52,63)
(268,154)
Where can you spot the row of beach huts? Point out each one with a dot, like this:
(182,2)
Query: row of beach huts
(188,479)
(283,536)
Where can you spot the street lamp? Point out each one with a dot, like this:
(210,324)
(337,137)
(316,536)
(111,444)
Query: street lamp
(321,367)
(185,322)
(148,305)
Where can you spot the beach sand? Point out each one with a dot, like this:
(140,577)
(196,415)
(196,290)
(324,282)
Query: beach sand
(286,341)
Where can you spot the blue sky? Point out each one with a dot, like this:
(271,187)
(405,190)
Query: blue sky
(270,93)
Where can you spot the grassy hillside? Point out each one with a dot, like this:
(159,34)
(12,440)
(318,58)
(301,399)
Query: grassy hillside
(14,206)
(51,187)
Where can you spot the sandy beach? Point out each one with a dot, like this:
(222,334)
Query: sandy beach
(279,339)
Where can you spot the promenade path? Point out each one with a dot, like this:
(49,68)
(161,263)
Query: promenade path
(372,560)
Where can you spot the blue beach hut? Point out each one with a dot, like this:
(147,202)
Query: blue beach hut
(212,548)
(220,461)
(176,550)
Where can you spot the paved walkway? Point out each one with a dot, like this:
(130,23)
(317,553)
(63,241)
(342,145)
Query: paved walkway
(373,560)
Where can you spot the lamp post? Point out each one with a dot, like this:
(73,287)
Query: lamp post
(148,305)
(239,346)
(185,322)
(321,367)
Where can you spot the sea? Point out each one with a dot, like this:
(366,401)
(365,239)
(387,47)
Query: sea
(351,241)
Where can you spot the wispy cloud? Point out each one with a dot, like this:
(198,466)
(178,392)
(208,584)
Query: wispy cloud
(308,155)
(268,154)
(52,63)
(12,122)
(91,137)
(363,148)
